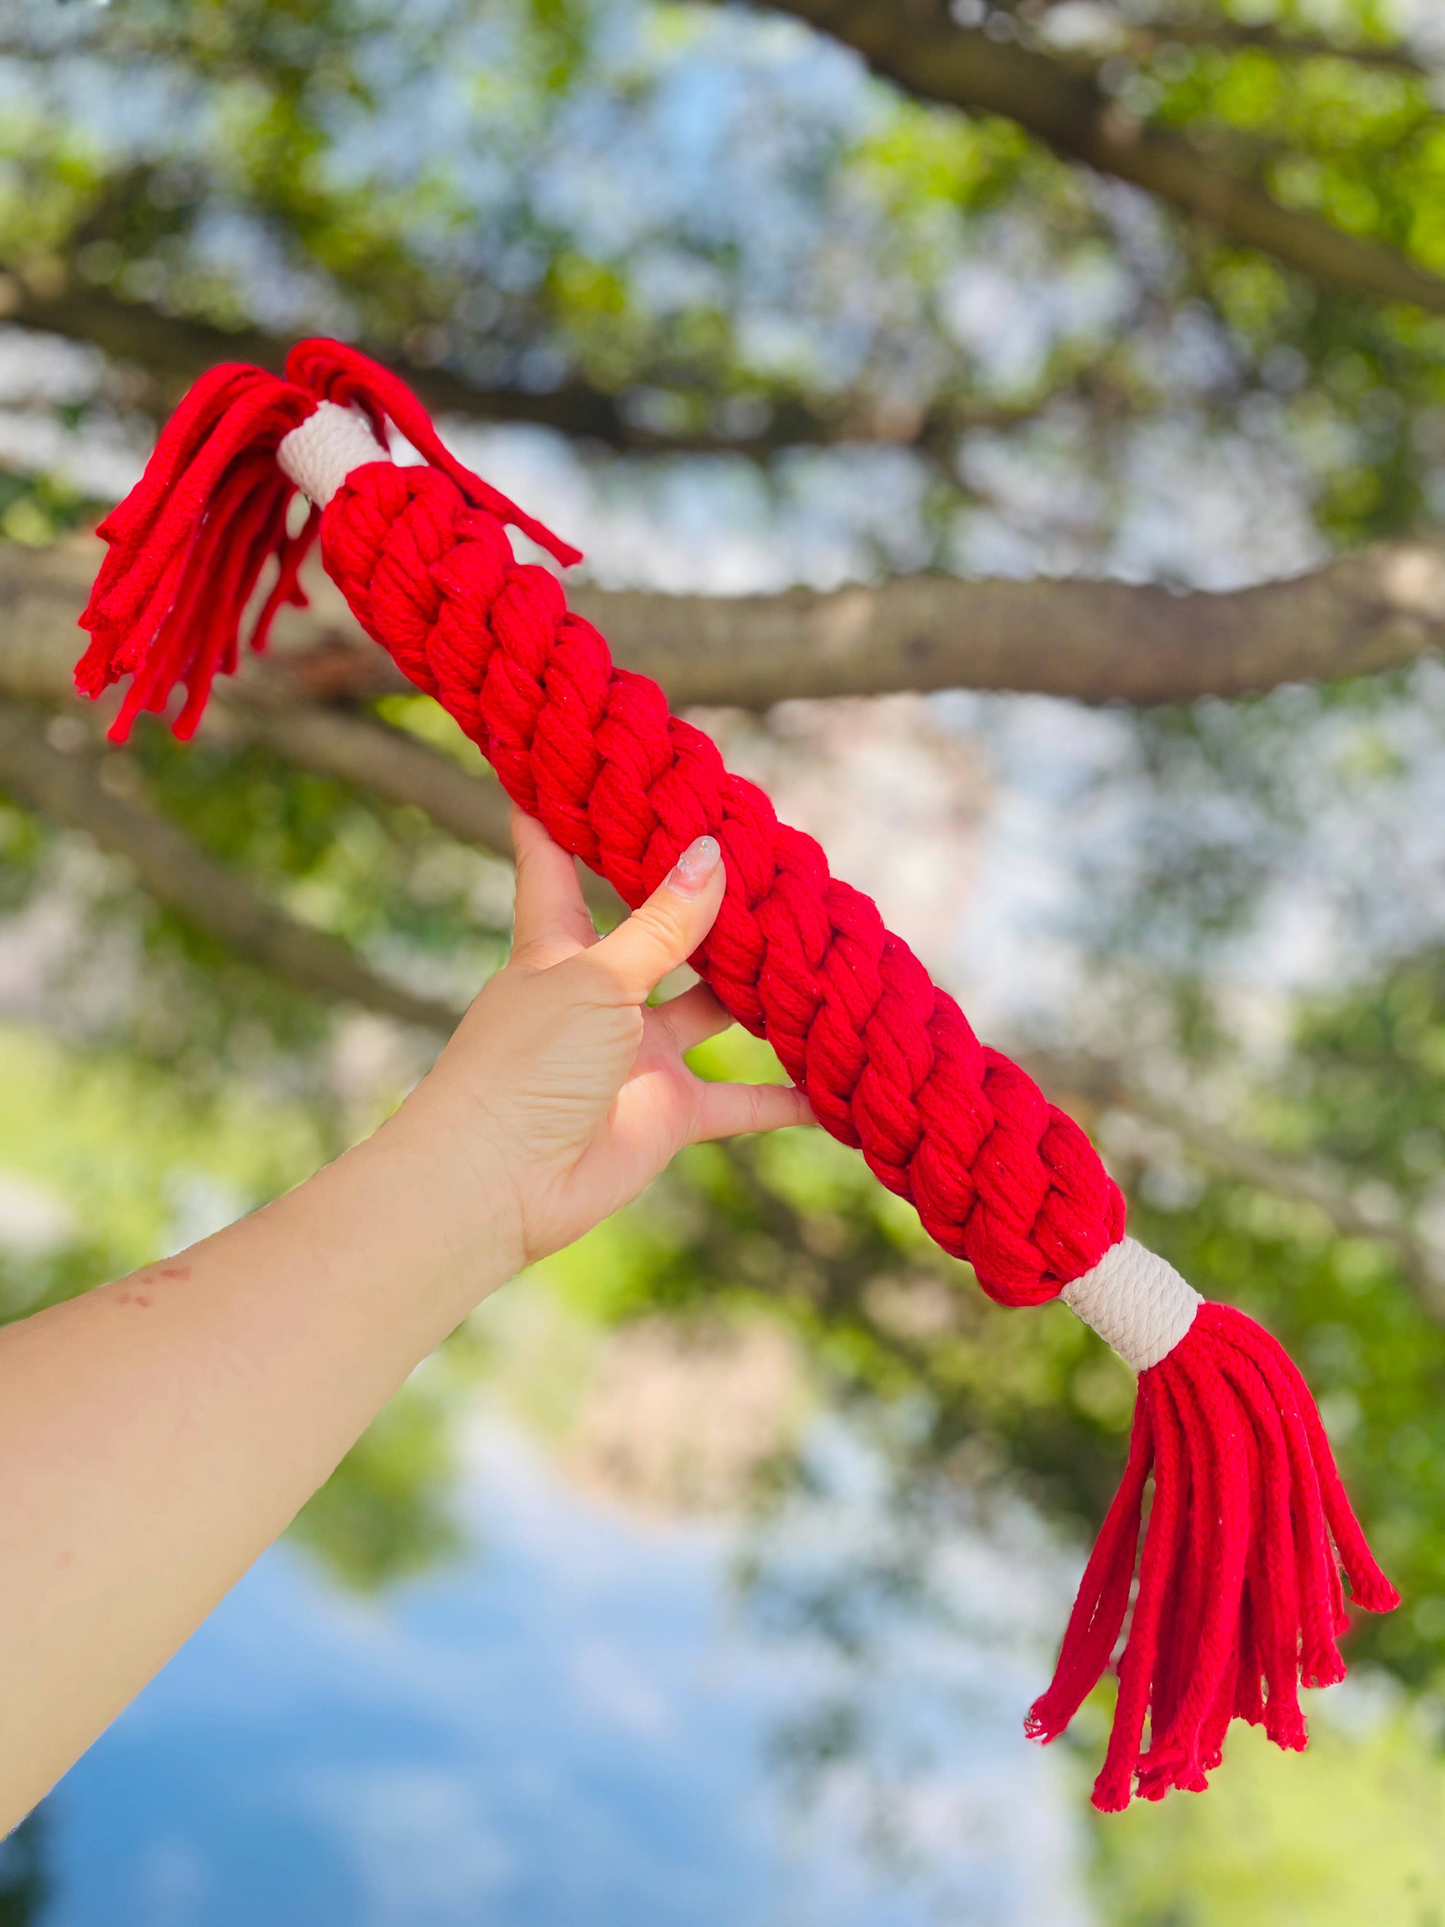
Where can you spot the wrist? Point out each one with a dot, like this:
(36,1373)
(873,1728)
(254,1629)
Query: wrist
(399,1241)
(456,1198)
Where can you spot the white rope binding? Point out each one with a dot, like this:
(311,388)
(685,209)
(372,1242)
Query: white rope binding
(320,454)
(1136,1302)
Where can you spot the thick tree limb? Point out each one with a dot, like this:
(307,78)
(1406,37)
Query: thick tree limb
(1093,641)
(916,44)
(78,787)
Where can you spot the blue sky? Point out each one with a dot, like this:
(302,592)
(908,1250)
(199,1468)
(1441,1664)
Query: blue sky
(570,1726)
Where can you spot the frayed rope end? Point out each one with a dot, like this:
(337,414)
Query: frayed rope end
(188,544)
(1240,1599)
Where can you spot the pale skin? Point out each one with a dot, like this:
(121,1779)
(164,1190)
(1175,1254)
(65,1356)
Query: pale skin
(157,1434)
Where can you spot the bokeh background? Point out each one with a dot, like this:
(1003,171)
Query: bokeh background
(705,1575)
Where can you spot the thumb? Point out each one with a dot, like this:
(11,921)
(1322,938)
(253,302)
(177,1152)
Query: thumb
(663,932)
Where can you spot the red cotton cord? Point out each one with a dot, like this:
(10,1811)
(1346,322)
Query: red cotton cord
(1239,1597)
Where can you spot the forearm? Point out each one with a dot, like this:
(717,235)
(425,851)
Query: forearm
(157,1434)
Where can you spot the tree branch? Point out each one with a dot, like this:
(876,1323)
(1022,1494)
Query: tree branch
(172,349)
(79,788)
(919,47)
(1092,641)
(1279,44)
(388,762)
(40,592)
(1103,1082)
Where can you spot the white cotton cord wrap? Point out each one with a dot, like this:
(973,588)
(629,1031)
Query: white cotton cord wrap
(320,454)
(1136,1302)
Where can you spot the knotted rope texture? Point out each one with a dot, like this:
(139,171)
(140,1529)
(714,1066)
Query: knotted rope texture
(1239,1594)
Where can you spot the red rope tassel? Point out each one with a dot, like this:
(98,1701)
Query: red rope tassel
(1239,1597)
(188,545)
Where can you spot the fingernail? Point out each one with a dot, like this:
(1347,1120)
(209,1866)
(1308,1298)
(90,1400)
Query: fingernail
(690,875)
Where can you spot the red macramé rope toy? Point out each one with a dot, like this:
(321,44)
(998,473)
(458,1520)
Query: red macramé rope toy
(1239,1596)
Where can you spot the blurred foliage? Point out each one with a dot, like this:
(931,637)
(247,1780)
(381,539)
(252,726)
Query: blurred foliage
(374,874)
(377,875)
(36,509)
(483,185)
(688,226)
(383,1513)
(24,1888)
(1350,1832)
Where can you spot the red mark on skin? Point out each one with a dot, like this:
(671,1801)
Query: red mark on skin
(63,1560)
(180,1273)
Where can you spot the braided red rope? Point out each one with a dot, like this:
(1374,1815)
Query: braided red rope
(1239,1594)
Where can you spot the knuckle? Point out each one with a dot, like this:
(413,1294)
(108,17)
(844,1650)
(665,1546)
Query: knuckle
(665,915)
(656,935)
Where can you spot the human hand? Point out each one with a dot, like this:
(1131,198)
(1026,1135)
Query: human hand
(561,1088)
